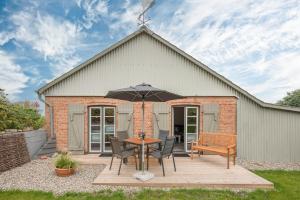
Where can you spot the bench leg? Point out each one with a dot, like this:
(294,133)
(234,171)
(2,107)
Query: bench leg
(228,157)
(199,153)
(234,156)
(192,154)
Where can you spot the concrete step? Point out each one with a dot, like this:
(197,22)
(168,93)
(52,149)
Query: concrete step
(48,149)
(50,146)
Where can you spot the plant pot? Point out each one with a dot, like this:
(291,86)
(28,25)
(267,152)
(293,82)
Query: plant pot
(64,172)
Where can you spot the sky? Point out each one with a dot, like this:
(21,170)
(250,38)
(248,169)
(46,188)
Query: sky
(255,44)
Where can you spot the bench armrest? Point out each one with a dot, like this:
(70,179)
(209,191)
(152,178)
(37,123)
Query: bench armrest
(231,146)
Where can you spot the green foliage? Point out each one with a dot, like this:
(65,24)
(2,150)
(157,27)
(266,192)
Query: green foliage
(64,161)
(287,186)
(292,99)
(16,116)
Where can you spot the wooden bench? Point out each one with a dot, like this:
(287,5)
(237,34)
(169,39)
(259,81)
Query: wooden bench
(221,144)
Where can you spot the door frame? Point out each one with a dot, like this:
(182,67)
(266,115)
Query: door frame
(184,106)
(102,126)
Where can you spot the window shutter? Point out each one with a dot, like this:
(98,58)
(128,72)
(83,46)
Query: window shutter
(125,118)
(210,117)
(76,128)
(161,117)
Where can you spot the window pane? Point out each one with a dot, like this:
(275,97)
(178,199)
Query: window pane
(191,129)
(95,120)
(109,120)
(95,111)
(109,129)
(95,129)
(192,111)
(191,137)
(109,112)
(107,146)
(108,136)
(95,137)
(95,146)
(191,120)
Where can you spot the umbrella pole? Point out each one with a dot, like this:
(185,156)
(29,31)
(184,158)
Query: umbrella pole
(143,136)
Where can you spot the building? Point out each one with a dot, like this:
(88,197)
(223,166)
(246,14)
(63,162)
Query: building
(82,119)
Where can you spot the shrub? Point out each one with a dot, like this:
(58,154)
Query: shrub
(64,161)
(19,116)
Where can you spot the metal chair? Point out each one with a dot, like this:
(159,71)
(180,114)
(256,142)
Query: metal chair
(123,135)
(119,152)
(163,134)
(167,151)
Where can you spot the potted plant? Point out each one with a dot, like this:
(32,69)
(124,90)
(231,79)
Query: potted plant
(64,164)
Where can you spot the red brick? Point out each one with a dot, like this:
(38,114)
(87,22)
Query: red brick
(227,115)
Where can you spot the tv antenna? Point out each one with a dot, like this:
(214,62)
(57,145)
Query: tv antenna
(146,5)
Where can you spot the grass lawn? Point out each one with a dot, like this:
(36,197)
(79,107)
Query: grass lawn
(287,187)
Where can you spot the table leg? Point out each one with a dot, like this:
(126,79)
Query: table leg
(140,157)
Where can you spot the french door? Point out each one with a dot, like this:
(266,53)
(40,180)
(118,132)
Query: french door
(101,128)
(191,126)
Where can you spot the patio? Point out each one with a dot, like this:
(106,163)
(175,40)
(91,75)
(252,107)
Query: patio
(208,171)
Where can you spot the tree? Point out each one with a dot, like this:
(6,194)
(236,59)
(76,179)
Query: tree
(291,99)
(18,116)
(3,109)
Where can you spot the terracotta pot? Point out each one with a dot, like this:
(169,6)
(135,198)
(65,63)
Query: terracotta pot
(64,172)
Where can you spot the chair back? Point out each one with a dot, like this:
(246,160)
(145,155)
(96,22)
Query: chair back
(168,146)
(115,145)
(122,135)
(163,134)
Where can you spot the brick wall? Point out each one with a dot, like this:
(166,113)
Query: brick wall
(227,114)
(13,151)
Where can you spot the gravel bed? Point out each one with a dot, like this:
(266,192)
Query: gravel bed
(40,175)
(254,165)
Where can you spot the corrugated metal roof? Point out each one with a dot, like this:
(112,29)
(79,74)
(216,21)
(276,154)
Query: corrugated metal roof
(144,29)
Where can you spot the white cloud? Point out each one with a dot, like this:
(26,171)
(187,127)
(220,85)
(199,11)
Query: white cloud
(12,78)
(242,40)
(125,19)
(5,37)
(55,39)
(282,72)
(94,11)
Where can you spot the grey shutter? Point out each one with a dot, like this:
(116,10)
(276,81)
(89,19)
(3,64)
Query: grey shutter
(210,117)
(125,118)
(161,117)
(76,128)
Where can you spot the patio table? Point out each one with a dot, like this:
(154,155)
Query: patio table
(138,142)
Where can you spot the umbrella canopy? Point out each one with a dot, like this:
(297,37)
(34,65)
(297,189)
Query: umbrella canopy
(142,92)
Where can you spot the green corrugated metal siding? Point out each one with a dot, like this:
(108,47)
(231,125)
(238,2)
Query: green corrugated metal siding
(143,59)
(263,133)
(266,134)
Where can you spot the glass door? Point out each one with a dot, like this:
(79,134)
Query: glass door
(95,129)
(101,128)
(109,127)
(191,126)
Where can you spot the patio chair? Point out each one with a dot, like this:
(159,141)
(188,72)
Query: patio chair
(163,134)
(123,135)
(121,153)
(167,151)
